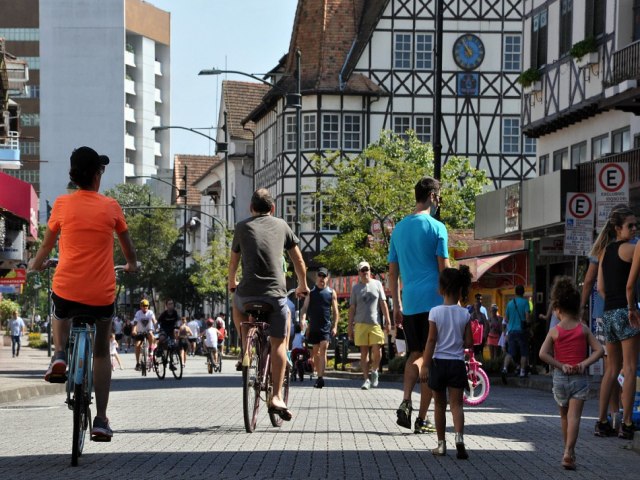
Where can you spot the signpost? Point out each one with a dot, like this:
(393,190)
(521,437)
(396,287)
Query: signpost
(612,188)
(578,233)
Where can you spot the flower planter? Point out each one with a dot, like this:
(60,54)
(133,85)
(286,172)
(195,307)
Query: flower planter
(587,59)
(533,88)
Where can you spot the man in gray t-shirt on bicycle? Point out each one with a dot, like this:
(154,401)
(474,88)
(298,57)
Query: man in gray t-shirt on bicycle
(258,242)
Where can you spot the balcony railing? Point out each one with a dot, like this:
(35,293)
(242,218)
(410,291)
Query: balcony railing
(626,64)
(587,171)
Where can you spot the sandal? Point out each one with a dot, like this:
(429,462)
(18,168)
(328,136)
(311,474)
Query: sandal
(282,412)
(569,462)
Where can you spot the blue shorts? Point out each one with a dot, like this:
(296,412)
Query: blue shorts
(277,317)
(518,344)
(567,387)
(616,326)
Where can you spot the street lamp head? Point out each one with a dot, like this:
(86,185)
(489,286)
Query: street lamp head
(212,71)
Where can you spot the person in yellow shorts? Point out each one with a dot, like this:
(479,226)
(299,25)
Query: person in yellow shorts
(367,299)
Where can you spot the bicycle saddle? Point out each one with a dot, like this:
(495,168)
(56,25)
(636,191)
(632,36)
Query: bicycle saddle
(257,307)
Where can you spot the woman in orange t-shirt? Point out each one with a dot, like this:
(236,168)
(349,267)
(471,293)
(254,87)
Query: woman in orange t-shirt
(84,279)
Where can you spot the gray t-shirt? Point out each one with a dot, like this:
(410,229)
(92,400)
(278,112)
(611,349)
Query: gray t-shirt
(365,297)
(260,240)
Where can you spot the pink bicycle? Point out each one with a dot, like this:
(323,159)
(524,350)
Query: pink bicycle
(478,388)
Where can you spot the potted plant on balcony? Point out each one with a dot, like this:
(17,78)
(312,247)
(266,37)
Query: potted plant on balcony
(585,52)
(530,80)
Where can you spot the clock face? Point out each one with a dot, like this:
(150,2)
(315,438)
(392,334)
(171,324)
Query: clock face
(468,52)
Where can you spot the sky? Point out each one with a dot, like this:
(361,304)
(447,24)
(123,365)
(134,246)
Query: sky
(244,35)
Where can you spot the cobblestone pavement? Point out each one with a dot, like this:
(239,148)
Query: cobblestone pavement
(193,428)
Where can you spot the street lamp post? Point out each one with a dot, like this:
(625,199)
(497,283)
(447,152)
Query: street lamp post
(293,100)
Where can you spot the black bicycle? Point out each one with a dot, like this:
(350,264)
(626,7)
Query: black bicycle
(168,356)
(257,380)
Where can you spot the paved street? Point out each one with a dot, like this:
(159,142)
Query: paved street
(193,428)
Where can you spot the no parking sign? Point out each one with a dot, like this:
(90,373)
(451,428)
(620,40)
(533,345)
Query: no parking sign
(612,188)
(578,231)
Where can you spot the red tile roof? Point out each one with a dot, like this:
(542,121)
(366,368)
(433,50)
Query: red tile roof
(196,165)
(240,98)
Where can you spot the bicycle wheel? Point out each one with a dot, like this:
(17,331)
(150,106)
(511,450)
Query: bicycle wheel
(144,351)
(160,364)
(176,363)
(210,365)
(251,384)
(478,388)
(81,410)
(276,421)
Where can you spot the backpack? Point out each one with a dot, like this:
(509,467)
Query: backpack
(477,329)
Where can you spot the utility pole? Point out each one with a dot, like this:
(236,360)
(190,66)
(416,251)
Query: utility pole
(437,95)
(184,244)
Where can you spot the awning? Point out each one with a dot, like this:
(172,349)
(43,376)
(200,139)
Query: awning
(19,198)
(480,265)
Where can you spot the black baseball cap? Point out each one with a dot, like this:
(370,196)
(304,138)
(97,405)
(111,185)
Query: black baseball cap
(87,157)
(323,271)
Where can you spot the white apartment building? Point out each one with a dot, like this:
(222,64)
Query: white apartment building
(105,82)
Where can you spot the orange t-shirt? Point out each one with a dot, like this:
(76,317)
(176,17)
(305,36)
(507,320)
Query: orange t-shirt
(86,221)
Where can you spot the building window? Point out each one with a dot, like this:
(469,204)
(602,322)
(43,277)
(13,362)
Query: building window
(30,147)
(530,145)
(561,159)
(566,29)
(274,138)
(30,91)
(325,218)
(539,39)
(543,165)
(578,154)
(289,214)
(351,132)
(29,176)
(309,140)
(20,34)
(510,135)
(424,51)
(402,51)
(33,62)
(308,214)
(599,146)
(595,17)
(30,119)
(620,140)
(423,129)
(512,56)
(400,125)
(290,132)
(265,145)
(330,131)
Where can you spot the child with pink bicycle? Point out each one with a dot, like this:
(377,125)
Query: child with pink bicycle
(566,349)
(443,359)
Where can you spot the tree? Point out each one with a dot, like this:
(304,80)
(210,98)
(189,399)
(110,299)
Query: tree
(154,236)
(210,279)
(378,184)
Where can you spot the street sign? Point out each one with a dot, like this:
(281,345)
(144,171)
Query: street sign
(578,232)
(612,188)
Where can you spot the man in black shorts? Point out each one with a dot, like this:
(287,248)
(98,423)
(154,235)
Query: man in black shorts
(321,301)
(167,324)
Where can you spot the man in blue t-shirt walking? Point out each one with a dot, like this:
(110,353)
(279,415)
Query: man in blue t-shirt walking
(517,318)
(417,253)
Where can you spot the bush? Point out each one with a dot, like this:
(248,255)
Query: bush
(529,77)
(580,49)
(36,341)
(396,364)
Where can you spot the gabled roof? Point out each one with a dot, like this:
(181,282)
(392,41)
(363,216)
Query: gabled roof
(197,165)
(240,98)
(330,34)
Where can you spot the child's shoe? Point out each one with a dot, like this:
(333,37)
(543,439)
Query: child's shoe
(461,451)
(441,449)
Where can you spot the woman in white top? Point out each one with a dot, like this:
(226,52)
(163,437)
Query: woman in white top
(443,359)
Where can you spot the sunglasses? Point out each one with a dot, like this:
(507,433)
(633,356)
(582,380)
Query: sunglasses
(631,225)
(322,275)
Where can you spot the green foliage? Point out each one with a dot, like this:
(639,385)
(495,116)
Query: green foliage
(7,307)
(379,184)
(529,77)
(210,280)
(36,341)
(580,49)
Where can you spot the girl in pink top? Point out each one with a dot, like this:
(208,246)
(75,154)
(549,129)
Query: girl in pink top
(566,349)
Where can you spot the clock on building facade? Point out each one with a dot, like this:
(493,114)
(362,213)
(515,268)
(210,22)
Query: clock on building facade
(468,52)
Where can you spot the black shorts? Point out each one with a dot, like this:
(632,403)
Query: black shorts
(315,338)
(141,336)
(416,331)
(447,373)
(64,309)
(118,337)
(183,343)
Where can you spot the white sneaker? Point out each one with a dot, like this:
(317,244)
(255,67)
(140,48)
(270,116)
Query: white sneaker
(366,385)
(374,379)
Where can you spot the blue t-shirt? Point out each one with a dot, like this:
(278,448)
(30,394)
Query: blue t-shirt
(517,309)
(416,243)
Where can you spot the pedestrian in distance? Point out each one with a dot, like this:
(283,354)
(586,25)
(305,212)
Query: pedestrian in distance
(517,317)
(113,351)
(367,299)
(418,252)
(17,328)
(84,279)
(127,332)
(565,348)
(196,327)
(495,329)
(443,364)
(320,305)
(621,324)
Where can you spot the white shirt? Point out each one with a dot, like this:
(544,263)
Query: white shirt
(211,337)
(194,326)
(113,347)
(451,321)
(16,325)
(142,325)
(117,326)
(220,319)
